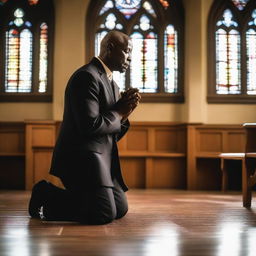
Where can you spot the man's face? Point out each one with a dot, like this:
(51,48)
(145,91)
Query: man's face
(121,56)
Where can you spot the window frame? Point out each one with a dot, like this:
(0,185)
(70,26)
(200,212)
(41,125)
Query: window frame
(242,18)
(175,17)
(43,11)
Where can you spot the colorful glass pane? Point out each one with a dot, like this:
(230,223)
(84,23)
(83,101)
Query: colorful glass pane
(28,24)
(119,78)
(227,19)
(12,60)
(18,22)
(144,62)
(25,67)
(108,5)
(164,3)
(240,4)
(228,62)
(2,2)
(251,55)
(128,7)
(251,61)
(19,13)
(99,36)
(144,23)
(111,23)
(148,7)
(33,2)
(170,60)
(253,21)
(43,55)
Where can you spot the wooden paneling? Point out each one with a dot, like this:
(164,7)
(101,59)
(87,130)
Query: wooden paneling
(40,140)
(137,139)
(205,143)
(43,136)
(144,142)
(235,142)
(12,138)
(153,154)
(12,172)
(134,171)
(210,141)
(12,155)
(166,140)
(167,173)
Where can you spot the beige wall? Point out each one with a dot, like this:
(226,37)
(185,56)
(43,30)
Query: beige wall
(69,54)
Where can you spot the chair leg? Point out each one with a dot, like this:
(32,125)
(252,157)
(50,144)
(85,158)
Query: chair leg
(223,168)
(246,189)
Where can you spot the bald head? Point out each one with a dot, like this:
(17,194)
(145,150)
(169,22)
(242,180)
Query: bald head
(113,37)
(115,50)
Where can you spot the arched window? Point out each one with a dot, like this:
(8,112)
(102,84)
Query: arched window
(157,30)
(26,29)
(232,52)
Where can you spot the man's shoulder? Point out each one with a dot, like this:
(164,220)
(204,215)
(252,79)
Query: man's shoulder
(94,67)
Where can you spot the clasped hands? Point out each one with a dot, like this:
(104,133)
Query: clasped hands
(128,102)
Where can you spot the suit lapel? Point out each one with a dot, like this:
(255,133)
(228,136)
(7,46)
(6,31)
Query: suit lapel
(108,85)
(116,90)
(104,78)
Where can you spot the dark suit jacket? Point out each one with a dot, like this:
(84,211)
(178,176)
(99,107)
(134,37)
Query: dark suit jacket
(86,146)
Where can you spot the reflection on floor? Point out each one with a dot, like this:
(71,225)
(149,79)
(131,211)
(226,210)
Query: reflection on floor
(159,223)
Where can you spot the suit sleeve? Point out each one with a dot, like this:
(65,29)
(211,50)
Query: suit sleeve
(124,128)
(85,98)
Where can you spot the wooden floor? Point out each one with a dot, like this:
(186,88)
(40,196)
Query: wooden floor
(159,223)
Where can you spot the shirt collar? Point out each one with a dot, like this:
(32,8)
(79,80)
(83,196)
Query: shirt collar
(108,71)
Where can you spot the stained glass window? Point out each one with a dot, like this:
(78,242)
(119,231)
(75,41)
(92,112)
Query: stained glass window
(148,7)
(164,3)
(25,63)
(170,59)
(25,72)
(251,55)
(228,79)
(12,60)
(240,4)
(128,7)
(234,57)
(154,62)
(144,62)
(43,54)
(2,2)
(18,57)
(33,2)
(108,5)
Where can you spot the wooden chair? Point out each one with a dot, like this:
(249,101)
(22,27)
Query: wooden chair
(248,160)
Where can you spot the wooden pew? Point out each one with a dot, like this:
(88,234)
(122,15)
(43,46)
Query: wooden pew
(248,163)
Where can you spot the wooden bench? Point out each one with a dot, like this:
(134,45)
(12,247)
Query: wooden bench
(248,161)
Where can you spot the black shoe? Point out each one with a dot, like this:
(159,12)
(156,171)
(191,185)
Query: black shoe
(38,198)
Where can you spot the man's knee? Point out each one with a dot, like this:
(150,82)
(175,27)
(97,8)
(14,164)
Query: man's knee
(121,212)
(99,216)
